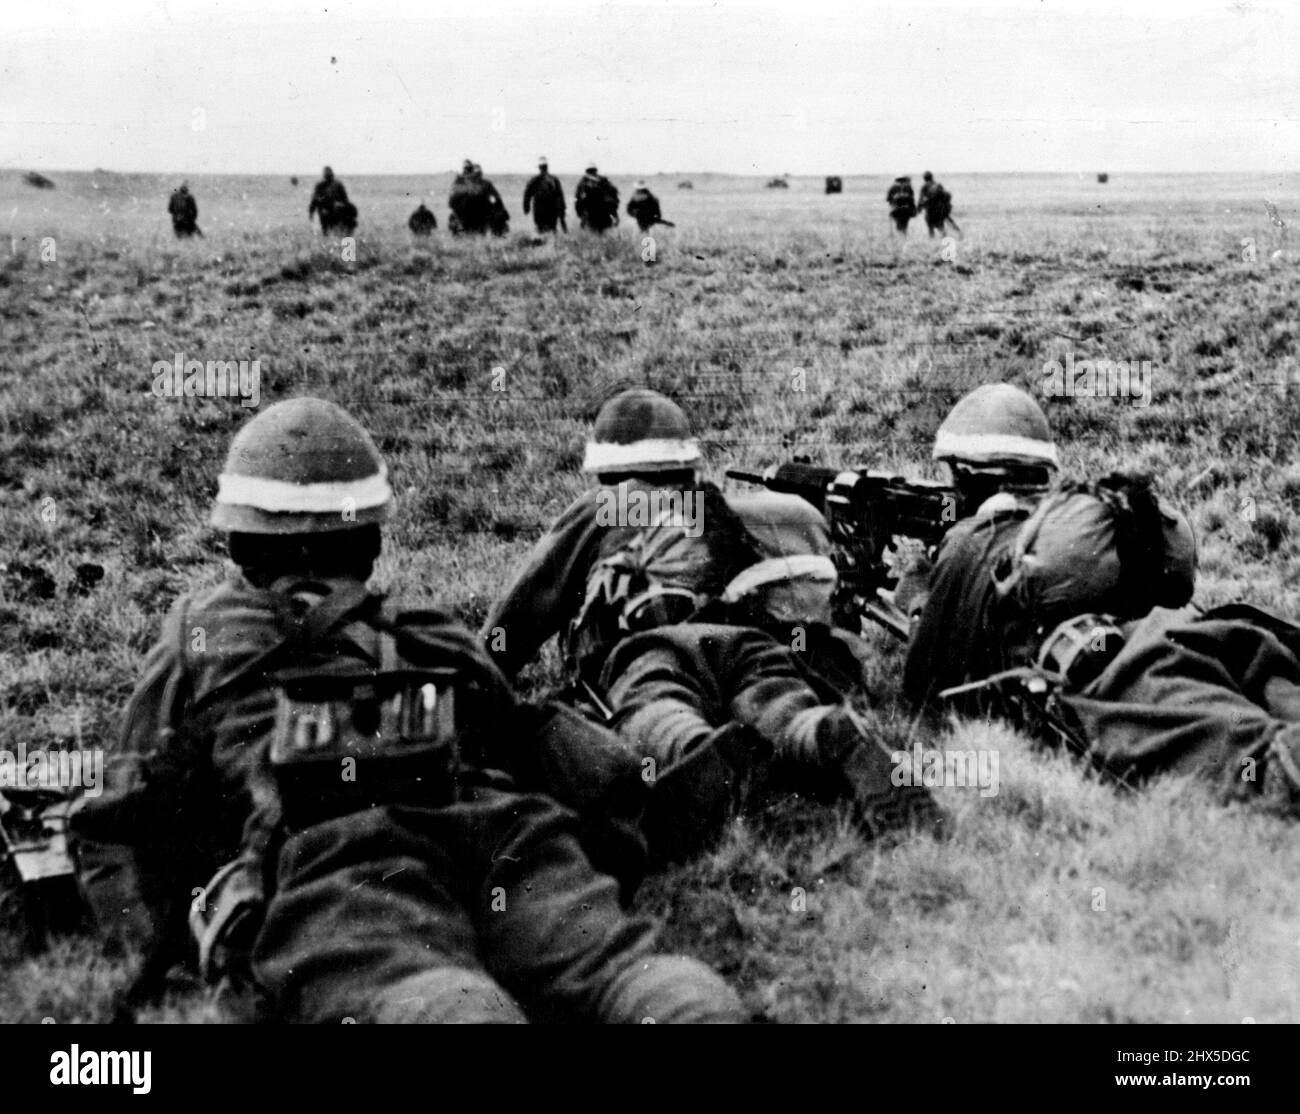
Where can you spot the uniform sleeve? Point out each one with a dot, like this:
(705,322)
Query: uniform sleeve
(129,848)
(548,590)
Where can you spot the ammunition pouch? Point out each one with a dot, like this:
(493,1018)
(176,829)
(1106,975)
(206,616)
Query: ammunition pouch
(344,742)
(1079,649)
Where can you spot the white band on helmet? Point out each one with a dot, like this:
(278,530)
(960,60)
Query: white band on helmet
(608,456)
(990,446)
(280,496)
(799,566)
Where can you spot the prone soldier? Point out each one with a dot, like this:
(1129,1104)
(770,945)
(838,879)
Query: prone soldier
(363,806)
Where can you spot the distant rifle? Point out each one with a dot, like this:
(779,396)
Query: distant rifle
(866,510)
(665,223)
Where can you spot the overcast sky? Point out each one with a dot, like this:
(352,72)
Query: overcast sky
(282,86)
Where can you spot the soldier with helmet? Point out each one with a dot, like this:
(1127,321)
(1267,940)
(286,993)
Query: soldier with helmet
(374,824)
(1087,585)
(902,203)
(544,195)
(662,618)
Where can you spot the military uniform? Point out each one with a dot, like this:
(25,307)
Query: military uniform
(935,204)
(330,200)
(544,196)
(596,201)
(643,207)
(463,891)
(184,211)
(673,689)
(476,207)
(902,203)
(422,221)
(1215,694)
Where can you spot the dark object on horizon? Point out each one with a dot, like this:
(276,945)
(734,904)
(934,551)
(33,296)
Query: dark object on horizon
(330,200)
(596,201)
(833,184)
(545,197)
(1103,178)
(902,202)
(422,221)
(686,185)
(39,181)
(777,184)
(184,212)
(643,207)
(476,207)
(294,180)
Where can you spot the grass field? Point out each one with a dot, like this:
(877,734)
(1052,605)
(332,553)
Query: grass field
(1054,900)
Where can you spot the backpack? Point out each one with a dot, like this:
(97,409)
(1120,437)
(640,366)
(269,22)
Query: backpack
(655,573)
(1108,547)
(940,205)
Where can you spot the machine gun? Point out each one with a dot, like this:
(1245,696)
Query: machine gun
(865,510)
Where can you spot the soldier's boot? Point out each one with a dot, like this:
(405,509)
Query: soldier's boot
(693,800)
(852,762)
(667,989)
(445,995)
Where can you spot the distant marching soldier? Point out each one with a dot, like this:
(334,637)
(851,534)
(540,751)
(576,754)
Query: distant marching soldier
(935,203)
(330,200)
(184,212)
(422,221)
(643,207)
(902,203)
(544,196)
(596,201)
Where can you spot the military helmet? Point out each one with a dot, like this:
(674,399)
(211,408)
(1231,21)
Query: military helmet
(640,430)
(327,173)
(303,466)
(927,177)
(996,424)
(591,170)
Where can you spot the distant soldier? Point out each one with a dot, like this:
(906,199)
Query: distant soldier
(643,207)
(422,221)
(184,212)
(935,203)
(476,207)
(545,197)
(596,201)
(330,200)
(834,184)
(902,203)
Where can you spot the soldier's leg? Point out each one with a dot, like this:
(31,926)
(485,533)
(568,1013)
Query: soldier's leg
(368,921)
(826,748)
(1214,698)
(554,933)
(671,713)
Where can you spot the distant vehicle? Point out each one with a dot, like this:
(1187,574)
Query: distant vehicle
(1103,178)
(686,185)
(777,184)
(39,181)
(833,184)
